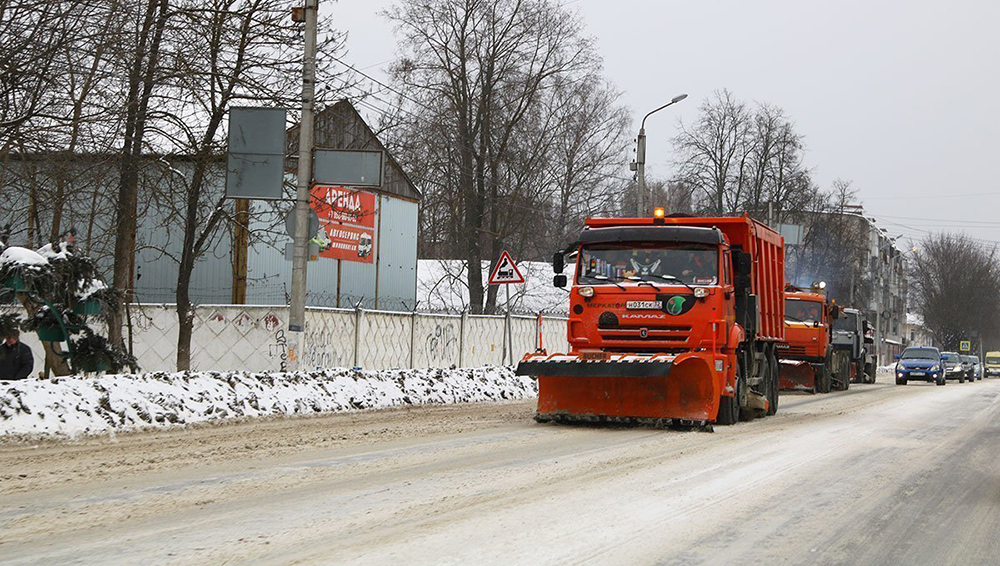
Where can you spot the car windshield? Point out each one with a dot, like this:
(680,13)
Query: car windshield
(656,263)
(802,311)
(950,357)
(848,322)
(920,354)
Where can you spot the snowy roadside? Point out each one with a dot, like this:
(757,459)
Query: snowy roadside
(71,406)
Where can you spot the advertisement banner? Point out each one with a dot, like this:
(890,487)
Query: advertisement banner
(346,223)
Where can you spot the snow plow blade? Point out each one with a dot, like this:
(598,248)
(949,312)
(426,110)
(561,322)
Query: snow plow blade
(796,375)
(621,388)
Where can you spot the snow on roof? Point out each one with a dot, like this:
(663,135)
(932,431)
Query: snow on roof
(914,318)
(22,256)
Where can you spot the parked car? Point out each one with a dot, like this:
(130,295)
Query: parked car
(952,366)
(977,368)
(923,364)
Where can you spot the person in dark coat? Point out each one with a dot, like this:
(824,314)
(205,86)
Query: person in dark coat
(16,361)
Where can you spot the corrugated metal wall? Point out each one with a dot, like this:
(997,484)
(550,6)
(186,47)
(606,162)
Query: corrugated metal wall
(269,273)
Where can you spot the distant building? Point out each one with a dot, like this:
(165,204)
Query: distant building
(369,260)
(915,333)
(862,267)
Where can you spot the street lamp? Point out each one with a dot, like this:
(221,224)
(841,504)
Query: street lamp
(640,156)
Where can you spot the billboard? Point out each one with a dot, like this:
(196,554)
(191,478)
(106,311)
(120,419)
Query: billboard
(346,223)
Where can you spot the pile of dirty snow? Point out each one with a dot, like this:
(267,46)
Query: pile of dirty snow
(70,406)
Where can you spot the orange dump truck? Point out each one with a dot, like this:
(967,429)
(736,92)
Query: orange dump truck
(670,319)
(806,354)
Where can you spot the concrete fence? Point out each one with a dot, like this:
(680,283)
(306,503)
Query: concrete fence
(254,338)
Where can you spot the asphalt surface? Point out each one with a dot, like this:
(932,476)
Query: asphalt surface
(880,474)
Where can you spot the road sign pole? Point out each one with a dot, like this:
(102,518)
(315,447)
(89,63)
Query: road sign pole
(297,306)
(510,333)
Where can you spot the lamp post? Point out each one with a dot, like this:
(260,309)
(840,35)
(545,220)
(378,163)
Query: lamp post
(640,157)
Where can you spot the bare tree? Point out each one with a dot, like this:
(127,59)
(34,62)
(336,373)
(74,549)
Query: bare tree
(956,287)
(480,68)
(714,149)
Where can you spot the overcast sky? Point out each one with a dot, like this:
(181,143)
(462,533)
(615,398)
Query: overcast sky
(899,97)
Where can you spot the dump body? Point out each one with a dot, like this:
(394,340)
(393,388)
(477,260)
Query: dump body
(664,315)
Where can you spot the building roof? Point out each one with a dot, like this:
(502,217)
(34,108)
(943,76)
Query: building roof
(340,126)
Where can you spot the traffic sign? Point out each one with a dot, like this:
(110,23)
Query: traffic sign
(965,345)
(506,271)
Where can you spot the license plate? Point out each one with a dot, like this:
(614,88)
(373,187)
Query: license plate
(643,305)
(916,373)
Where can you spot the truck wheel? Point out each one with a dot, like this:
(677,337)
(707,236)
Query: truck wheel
(823,379)
(772,390)
(842,371)
(729,407)
(869,373)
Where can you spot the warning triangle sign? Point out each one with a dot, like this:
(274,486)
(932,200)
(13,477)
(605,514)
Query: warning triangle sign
(506,271)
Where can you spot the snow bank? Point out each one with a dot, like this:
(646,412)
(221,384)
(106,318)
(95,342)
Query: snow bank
(72,406)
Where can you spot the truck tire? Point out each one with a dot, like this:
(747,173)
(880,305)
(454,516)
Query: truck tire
(841,371)
(772,390)
(869,373)
(729,407)
(823,378)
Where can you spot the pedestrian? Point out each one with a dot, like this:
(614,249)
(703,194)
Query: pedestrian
(16,360)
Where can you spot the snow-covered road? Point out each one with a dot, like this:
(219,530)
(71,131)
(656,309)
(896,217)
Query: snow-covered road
(880,474)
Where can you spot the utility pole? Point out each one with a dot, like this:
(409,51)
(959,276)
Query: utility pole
(640,159)
(297,308)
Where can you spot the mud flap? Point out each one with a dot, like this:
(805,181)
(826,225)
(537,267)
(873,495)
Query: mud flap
(588,391)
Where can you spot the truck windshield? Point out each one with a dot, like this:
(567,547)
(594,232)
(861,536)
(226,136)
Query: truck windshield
(847,321)
(920,354)
(803,311)
(656,263)
(993,360)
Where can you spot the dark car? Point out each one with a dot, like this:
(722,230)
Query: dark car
(923,364)
(951,364)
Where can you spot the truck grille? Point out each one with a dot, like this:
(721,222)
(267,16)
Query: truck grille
(792,351)
(655,334)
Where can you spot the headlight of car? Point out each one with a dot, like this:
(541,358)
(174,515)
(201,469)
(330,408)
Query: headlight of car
(935,368)
(700,292)
(585,292)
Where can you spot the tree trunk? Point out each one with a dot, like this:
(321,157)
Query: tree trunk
(141,80)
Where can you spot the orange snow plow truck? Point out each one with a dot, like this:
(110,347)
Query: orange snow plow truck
(672,320)
(806,356)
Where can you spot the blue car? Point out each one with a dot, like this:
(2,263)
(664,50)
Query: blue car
(923,364)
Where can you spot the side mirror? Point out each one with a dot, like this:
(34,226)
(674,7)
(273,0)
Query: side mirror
(558,264)
(559,280)
(896,357)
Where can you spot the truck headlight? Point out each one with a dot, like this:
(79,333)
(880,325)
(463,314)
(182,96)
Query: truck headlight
(585,292)
(700,292)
